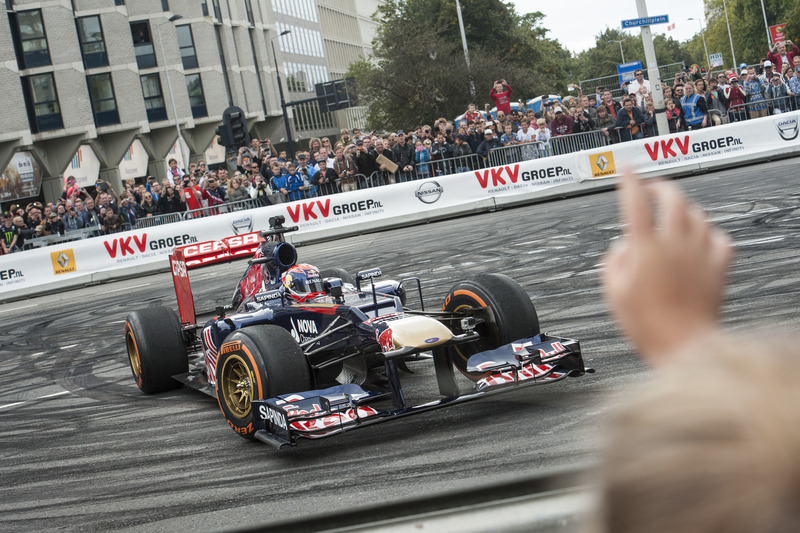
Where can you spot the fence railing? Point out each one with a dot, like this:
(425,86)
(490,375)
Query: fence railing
(611,82)
(762,108)
(566,144)
(444,167)
(515,153)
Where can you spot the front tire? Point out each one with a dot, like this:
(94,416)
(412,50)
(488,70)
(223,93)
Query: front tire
(156,349)
(257,363)
(508,315)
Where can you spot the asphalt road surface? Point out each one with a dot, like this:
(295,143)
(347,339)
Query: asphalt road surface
(82,449)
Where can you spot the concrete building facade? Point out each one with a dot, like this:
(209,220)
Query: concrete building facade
(106,73)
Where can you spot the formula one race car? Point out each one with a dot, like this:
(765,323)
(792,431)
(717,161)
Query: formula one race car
(309,354)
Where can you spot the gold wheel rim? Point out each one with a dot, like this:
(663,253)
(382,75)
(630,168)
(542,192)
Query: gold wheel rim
(133,354)
(236,386)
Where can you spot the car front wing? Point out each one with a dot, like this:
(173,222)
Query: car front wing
(283,420)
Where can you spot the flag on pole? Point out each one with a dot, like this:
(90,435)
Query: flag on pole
(671,26)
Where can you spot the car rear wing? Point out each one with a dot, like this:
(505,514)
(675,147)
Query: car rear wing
(185,258)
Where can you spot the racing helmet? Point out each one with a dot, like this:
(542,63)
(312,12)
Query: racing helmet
(303,282)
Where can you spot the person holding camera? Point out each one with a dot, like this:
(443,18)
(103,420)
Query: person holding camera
(261,191)
(170,201)
(192,193)
(69,216)
(501,96)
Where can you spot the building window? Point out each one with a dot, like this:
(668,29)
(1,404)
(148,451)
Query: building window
(248,7)
(119,2)
(41,101)
(93,45)
(196,97)
(186,45)
(165,5)
(153,98)
(204,7)
(217,10)
(30,41)
(143,44)
(104,104)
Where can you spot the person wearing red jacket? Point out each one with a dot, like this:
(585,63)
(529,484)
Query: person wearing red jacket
(779,53)
(501,96)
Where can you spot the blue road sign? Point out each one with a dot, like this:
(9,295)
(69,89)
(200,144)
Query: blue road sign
(646,21)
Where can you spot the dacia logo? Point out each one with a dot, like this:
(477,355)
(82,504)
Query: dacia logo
(787,128)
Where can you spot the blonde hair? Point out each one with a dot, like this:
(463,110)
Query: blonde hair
(711,444)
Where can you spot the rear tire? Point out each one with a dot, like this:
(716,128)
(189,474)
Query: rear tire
(256,363)
(156,349)
(509,315)
(340,273)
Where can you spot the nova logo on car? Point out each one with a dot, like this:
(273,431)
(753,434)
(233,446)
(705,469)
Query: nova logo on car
(512,173)
(125,246)
(273,417)
(303,330)
(231,346)
(309,210)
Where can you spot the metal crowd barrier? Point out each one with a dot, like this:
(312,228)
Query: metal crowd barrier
(783,104)
(514,153)
(574,142)
(447,166)
(74,235)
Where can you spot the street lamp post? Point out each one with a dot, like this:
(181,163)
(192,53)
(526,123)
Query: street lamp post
(703,35)
(173,18)
(280,93)
(730,36)
(620,46)
(464,44)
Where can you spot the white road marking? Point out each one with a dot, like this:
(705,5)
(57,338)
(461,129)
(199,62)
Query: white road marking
(36,399)
(68,346)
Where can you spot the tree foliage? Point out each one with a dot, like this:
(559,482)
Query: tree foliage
(419,72)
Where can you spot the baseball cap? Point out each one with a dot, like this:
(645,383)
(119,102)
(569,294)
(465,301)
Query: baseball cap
(488,132)
(558,110)
(359,142)
(744,71)
(400,132)
(732,76)
(767,63)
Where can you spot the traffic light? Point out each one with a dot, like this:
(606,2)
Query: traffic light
(233,132)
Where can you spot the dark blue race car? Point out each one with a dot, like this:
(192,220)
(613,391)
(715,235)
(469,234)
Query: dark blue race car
(304,353)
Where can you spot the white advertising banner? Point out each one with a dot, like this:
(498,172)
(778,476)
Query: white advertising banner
(84,166)
(704,148)
(134,162)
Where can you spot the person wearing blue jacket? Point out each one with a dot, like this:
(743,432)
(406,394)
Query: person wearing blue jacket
(295,185)
(422,156)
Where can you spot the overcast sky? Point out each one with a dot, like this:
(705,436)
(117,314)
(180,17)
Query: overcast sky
(576,23)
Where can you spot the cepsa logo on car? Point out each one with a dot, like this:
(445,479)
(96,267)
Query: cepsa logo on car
(320,210)
(128,246)
(503,178)
(677,148)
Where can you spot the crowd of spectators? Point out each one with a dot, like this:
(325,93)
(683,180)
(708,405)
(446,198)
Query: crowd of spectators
(263,176)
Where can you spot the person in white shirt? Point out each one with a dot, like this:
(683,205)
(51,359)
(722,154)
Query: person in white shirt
(525,133)
(639,87)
